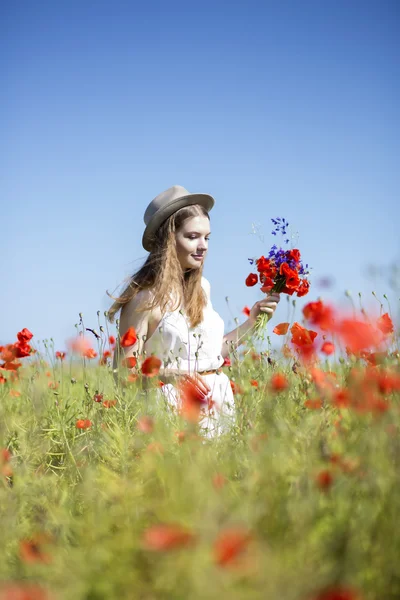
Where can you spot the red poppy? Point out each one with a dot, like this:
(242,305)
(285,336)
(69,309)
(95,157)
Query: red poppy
(109,403)
(358,335)
(337,593)
(324,480)
(315,404)
(385,324)
(145,424)
(31,551)
(129,338)
(89,353)
(328,348)
(263,264)
(302,336)
(281,329)
(227,362)
(24,336)
(251,280)
(61,355)
(229,544)
(79,345)
(22,350)
(2,379)
(279,382)
(246,311)
(151,366)
(24,591)
(161,538)
(10,366)
(291,276)
(294,255)
(111,340)
(83,424)
(192,398)
(254,383)
(236,388)
(218,481)
(129,362)
(98,397)
(319,314)
(304,288)
(8,353)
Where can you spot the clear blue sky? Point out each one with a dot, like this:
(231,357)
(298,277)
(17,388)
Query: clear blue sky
(275,108)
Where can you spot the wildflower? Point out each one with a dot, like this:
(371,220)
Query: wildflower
(302,336)
(98,397)
(281,329)
(151,366)
(229,544)
(129,362)
(31,551)
(145,424)
(358,335)
(10,366)
(279,382)
(337,593)
(319,314)
(23,591)
(83,424)
(2,379)
(78,345)
(251,280)
(315,404)
(129,338)
(193,399)
(236,387)
(341,398)
(109,403)
(227,362)
(246,311)
(254,383)
(218,481)
(385,324)
(89,353)
(155,447)
(15,393)
(111,340)
(328,348)
(161,538)
(324,480)
(61,355)
(24,336)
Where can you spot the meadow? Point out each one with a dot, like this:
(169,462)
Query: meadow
(105,493)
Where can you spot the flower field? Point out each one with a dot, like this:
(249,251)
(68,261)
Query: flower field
(105,493)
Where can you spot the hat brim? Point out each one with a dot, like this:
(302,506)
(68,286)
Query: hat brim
(164,212)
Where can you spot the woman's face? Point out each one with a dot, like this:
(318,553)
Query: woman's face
(192,242)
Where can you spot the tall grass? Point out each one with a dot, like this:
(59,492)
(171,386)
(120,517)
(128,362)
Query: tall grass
(309,496)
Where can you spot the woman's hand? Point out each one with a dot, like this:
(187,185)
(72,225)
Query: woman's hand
(198,382)
(266,305)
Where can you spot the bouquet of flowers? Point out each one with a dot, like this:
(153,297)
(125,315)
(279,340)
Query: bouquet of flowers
(281,272)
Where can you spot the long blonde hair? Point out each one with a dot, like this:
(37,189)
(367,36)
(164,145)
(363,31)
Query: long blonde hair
(163,274)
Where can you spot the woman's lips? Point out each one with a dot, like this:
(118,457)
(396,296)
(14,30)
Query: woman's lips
(198,257)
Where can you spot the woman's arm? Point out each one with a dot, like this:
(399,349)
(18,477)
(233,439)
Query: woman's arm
(130,317)
(237,336)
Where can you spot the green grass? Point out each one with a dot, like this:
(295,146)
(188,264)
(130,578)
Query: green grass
(95,492)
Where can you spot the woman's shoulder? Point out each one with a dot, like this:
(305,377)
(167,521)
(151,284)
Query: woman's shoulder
(206,285)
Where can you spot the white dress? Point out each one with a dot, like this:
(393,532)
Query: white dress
(194,350)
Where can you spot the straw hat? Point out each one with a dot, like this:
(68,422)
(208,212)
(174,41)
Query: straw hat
(165,204)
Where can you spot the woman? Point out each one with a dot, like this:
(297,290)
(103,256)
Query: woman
(168,303)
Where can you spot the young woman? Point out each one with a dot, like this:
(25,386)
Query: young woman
(168,303)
